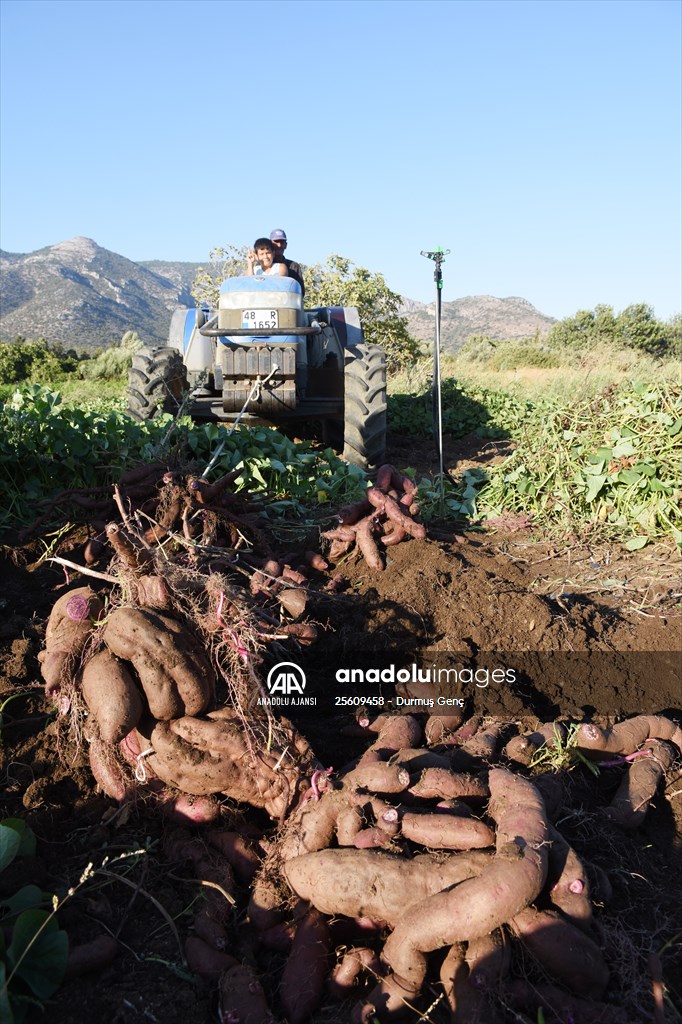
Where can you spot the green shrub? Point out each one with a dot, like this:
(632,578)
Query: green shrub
(113,363)
(34,361)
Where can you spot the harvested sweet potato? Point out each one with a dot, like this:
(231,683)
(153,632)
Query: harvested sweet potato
(568,882)
(242,999)
(626,737)
(560,1006)
(638,788)
(446,831)
(242,854)
(466,1002)
(376,884)
(345,975)
(305,972)
(213,755)
(107,770)
(91,956)
(113,699)
(206,961)
(440,784)
(175,674)
(478,905)
(522,748)
(71,622)
(568,954)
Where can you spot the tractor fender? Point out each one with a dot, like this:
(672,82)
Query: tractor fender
(184,336)
(345,321)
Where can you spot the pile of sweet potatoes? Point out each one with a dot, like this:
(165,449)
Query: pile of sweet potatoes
(386,515)
(430,876)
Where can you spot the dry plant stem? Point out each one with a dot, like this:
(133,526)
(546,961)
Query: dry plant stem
(126,520)
(84,570)
(657,990)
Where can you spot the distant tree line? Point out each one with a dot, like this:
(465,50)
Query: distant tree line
(635,327)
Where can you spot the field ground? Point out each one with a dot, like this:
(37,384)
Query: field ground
(593,632)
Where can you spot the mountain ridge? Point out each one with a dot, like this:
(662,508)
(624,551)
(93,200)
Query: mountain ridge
(80,295)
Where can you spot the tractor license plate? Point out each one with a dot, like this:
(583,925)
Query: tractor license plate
(260,319)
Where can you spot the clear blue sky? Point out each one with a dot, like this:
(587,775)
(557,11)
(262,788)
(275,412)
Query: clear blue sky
(539,141)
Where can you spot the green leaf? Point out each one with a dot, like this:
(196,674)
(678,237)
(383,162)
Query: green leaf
(29,897)
(635,543)
(623,449)
(628,476)
(10,841)
(27,839)
(39,955)
(594,486)
(645,468)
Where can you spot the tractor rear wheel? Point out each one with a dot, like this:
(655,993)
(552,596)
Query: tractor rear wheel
(364,428)
(157,383)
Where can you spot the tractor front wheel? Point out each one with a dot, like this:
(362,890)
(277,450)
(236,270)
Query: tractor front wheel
(157,383)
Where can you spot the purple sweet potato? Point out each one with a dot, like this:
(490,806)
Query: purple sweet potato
(71,622)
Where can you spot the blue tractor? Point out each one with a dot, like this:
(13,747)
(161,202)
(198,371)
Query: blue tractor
(262,358)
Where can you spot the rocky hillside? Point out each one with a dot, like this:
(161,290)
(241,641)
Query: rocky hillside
(502,319)
(83,296)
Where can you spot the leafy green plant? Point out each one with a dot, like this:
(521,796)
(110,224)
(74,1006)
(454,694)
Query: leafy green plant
(33,948)
(608,464)
(466,409)
(47,447)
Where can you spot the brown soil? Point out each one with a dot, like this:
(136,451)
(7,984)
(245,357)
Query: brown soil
(589,632)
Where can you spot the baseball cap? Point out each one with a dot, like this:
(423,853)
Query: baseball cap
(278,235)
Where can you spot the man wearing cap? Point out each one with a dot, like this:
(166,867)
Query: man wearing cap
(278,237)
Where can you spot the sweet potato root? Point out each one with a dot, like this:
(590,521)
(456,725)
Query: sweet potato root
(107,770)
(213,755)
(568,882)
(71,622)
(176,676)
(626,737)
(522,748)
(354,962)
(306,969)
(376,884)
(446,831)
(638,788)
(478,905)
(560,1006)
(203,959)
(440,784)
(570,956)
(113,699)
(241,997)
(91,956)
(466,1002)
